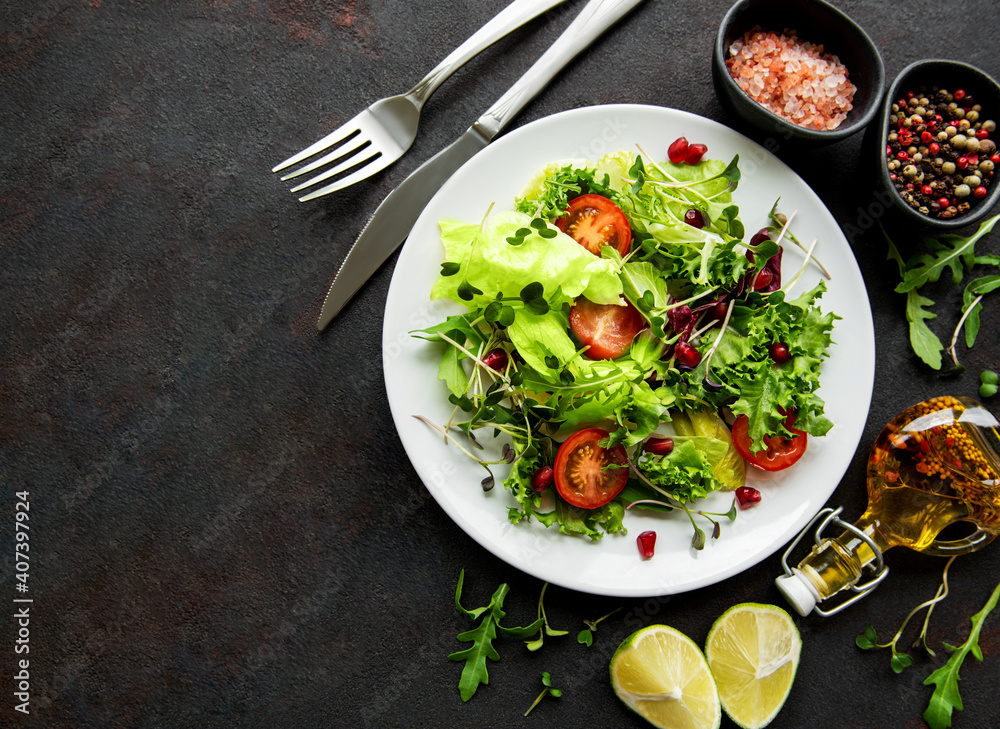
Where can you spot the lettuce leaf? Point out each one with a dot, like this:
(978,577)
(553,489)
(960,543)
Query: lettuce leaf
(495,267)
(688,472)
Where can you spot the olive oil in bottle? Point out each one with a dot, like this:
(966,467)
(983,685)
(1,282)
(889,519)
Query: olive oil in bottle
(935,464)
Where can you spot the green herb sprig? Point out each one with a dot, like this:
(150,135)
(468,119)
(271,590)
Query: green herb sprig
(481,637)
(949,253)
(946,697)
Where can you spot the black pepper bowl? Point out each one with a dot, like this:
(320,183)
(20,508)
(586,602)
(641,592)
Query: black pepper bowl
(943,74)
(817,22)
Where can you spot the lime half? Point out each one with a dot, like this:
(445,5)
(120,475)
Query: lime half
(662,675)
(753,651)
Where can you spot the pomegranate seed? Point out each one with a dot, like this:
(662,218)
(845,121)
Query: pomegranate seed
(720,310)
(542,478)
(694,153)
(760,236)
(979,192)
(747,497)
(646,542)
(694,217)
(959,95)
(496,360)
(934,148)
(962,162)
(779,352)
(926,137)
(677,151)
(687,355)
(763,279)
(659,446)
(927,190)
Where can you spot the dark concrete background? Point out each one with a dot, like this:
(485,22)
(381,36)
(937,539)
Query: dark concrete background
(225,530)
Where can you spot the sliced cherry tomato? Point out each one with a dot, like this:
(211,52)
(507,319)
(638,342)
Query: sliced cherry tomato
(581,476)
(594,221)
(779,452)
(608,329)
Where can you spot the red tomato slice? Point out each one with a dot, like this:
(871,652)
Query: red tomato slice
(595,221)
(579,477)
(608,329)
(779,452)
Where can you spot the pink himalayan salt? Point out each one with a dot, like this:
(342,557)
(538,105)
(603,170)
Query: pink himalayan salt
(795,80)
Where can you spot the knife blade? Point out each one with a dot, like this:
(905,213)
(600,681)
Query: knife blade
(396,215)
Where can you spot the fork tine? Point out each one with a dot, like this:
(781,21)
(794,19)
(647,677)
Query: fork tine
(338,157)
(356,167)
(362,171)
(339,136)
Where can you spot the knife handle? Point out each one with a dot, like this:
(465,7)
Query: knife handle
(595,18)
(511,17)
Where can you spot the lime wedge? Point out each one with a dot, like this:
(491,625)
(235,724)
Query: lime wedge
(753,651)
(662,675)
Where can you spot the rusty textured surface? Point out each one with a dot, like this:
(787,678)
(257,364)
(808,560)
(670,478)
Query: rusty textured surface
(226,531)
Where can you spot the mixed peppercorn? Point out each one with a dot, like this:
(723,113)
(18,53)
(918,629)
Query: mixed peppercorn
(939,151)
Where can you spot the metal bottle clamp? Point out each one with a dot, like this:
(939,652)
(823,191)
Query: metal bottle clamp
(832,516)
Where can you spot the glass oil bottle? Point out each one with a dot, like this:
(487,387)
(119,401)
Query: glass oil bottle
(935,464)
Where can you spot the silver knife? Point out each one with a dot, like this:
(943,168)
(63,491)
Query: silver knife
(394,218)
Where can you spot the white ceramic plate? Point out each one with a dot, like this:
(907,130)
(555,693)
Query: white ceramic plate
(612,565)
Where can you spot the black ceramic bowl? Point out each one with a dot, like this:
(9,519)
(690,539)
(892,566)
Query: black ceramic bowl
(814,21)
(950,75)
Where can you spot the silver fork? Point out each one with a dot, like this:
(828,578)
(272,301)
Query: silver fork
(380,134)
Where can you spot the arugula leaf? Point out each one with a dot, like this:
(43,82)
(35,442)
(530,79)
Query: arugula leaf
(925,342)
(977,288)
(950,251)
(482,636)
(946,697)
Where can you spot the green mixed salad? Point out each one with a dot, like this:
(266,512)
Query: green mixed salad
(552,289)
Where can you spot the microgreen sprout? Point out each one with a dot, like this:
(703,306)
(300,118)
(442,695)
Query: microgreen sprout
(781,227)
(586,636)
(899,661)
(554,692)
(699,539)
(545,629)
(946,697)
